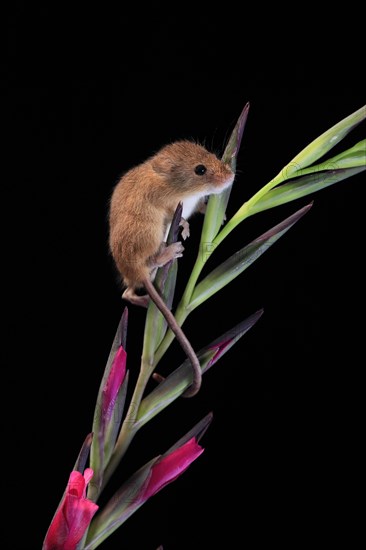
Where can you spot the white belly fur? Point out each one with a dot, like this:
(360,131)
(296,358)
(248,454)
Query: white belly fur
(189,205)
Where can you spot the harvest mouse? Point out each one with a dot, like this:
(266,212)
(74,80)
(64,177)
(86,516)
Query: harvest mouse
(141,210)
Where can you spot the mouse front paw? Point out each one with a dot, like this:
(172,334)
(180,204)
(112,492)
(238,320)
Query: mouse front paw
(185,228)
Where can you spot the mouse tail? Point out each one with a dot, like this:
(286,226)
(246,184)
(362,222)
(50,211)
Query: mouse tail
(181,337)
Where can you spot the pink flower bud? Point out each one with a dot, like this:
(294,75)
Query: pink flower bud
(171,466)
(113,383)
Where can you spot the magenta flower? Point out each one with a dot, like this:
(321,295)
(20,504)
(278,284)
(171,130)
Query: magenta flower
(107,417)
(73,516)
(171,466)
(114,381)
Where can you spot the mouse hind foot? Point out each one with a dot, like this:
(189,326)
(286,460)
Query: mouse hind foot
(131,296)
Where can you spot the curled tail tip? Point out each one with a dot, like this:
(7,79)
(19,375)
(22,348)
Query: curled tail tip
(195,387)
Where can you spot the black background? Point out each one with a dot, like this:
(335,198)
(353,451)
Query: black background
(88,92)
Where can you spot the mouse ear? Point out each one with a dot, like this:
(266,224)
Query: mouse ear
(162,164)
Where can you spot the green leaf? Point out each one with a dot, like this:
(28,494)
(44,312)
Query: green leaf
(216,207)
(322,144)
(172,387)
(238,262)
(351,158)
(83,454)
(302,186)
(316,149)
(180,379)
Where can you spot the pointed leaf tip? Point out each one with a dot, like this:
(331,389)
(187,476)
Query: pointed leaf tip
(241,260)
(197,432)
(233,146)
(174,227)
(227,340)
(83,454)
(123,328)
(241,126)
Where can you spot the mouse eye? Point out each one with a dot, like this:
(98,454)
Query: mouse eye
(200,169)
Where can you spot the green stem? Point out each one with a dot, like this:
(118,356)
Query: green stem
(196,271)
(245,210)
(183,309)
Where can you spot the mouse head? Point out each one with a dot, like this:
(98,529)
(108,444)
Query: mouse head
(191,168)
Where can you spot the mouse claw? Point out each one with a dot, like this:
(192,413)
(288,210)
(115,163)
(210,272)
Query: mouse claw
(178,249)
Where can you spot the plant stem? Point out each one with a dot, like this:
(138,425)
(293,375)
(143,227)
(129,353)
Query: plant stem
(205,250)
(245,210)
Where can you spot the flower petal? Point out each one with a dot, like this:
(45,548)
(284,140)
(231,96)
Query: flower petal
(79,515)
(114,382)
(88,474)
(73,515)
(171,466)
(76,485)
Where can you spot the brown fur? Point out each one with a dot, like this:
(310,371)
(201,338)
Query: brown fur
(145,199)
(141,210)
